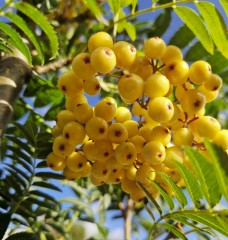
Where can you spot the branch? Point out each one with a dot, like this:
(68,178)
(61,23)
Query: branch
(13,74)
(53,66)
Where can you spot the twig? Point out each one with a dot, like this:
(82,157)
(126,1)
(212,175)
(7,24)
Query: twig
(53,66)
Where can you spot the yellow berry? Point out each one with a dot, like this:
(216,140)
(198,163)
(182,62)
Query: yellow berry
(102,150)
(221,139)
(61,147)
(76,161)
(154,47)
(123,114)
(71,102)
(91,86)
(125,54)
(125,153)
(103,59)
(82,67)
(83,112)
(63,117)
(171,54)
(117,133)
(55,162)
(70,84)
(145,174)
(99,39)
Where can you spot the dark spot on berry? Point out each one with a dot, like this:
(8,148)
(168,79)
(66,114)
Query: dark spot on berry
(61,147)
(72,179)
(114,170)
(132,49)
(106,154)
(86,60)
(128,75)
(215,88)
(129,156)
(80,165)
(108,103)
(171,66)
(67,135)
(117,133)
(159,154)
(51,165)
(64,88)
(97,87)
(169,107)
(105,172)
(197,103)
(166,131)
(117,179)
(79,104)
(101,130)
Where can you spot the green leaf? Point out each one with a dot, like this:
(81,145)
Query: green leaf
(43,195)
(5,48)
(209,219)
(18,152)
(42,22)
(216,25)
(196,52)
(130,29)
(182,37)
(191,183)
(196,25)
(94,7)
(49,175)
(40,203)
(174,230)
(5,219)
(165,195)
(150,197)
(219,160)
(224,4)
(47,185)
(26,132)
(161,24)
(20,23)
(206,175)
(16,40)
(23,236)
(20,143)
(218,62)
(194,226)
(114,6)
(177,191)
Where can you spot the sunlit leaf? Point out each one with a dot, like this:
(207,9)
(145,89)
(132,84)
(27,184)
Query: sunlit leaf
(191,183)
(20,23)
(16,40)
(206,175)
(42,22)
(220,162)
(224,3)
(216,25)
(196,25)
(174,230)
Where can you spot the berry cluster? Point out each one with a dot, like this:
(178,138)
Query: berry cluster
(164,111)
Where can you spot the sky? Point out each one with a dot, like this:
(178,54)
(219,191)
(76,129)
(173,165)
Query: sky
(116,226)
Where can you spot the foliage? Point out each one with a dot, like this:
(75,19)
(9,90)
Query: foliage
(49,34)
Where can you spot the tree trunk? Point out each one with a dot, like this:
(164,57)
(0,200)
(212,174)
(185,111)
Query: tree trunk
(13,74)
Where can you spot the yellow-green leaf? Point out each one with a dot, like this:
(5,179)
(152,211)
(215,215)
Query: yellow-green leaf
(216,25)
(196,25)
(42,22)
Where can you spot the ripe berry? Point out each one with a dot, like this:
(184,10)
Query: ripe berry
(154,152)
(221,139)
(103,59)
(171,54)
(55,162)
(63,117)
(125,153)
(61,147)
(199,72)
(82,67)
(160,109)
(74,132)
(76,161)
(156,85)
(130,87)
(125,54)
(154,47)
(177,72)
(96,128)
(70,84)
(145,174)
(71,102)
(83,112)
(91,86)
(123,114)
(105,109)
(99,39)
(117,133)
